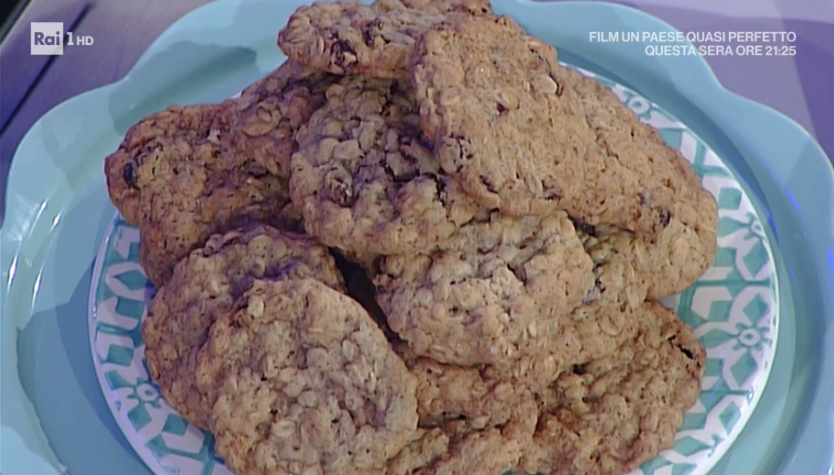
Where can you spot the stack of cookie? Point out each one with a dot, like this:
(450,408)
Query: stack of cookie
(419,246)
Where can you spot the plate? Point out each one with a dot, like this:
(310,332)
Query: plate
(733,309)
(54,416)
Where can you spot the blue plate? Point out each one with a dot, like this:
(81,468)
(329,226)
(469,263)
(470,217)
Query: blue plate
(53,411)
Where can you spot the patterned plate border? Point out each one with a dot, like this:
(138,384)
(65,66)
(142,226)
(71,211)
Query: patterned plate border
(733,308)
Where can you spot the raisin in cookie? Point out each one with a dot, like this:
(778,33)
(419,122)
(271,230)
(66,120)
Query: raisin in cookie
(347,37)
(188,172)
(152,149)
(659,266)
(472,7)
(270,111)
(655,267)
(487,394)
(364,180)
(306,383)
(524,134)
(610,415)
(492,291)
(445,443)
(203,286)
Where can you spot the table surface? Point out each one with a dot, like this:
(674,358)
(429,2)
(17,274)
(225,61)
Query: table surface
(799,86)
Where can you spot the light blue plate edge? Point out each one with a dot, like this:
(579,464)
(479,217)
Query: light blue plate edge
(787,169)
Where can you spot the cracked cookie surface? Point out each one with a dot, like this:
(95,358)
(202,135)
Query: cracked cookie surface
(472,7)
(527,135)
(456,446)
(489,293)
(610,415)
(306,383)
(651,268)
(188,172)
(486,395)
(206,284)
(363,178)
(347,37)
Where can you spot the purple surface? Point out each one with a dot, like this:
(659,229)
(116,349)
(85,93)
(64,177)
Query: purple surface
(17,80)
(801,87)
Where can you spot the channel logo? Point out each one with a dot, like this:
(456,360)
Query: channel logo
(47,38)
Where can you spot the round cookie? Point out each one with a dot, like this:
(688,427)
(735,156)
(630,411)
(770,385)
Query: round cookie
(205,285)
(610,415)
(186,173)
(364,180)
(489,294)
(524,134)
(347,37)
(306,383)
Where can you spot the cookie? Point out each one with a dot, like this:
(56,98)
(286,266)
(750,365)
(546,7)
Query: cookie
(306,383)
(524,134)
(347,37)
(490,293)
(472,7)
(685,249)
(621,264)
(151,150)
(203,286)
(364,180)
(270,112)
(456,446)
(650,268)
(487,395)
(158,261)
(610,415)
(186,173)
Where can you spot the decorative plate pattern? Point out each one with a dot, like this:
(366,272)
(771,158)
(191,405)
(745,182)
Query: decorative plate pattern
(733,308)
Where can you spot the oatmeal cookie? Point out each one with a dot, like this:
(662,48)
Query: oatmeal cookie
(155,146)
(158,262)
(186,173)
(203,286)
(524,134)
(486,394)
(650,268)
(683,252)
(365,181)
(491,292)
(472,7)
(270,111)
(306,383)
(456,446)
(347,37)
(610,415)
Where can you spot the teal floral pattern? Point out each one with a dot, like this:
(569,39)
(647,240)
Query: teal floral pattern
(733,309)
